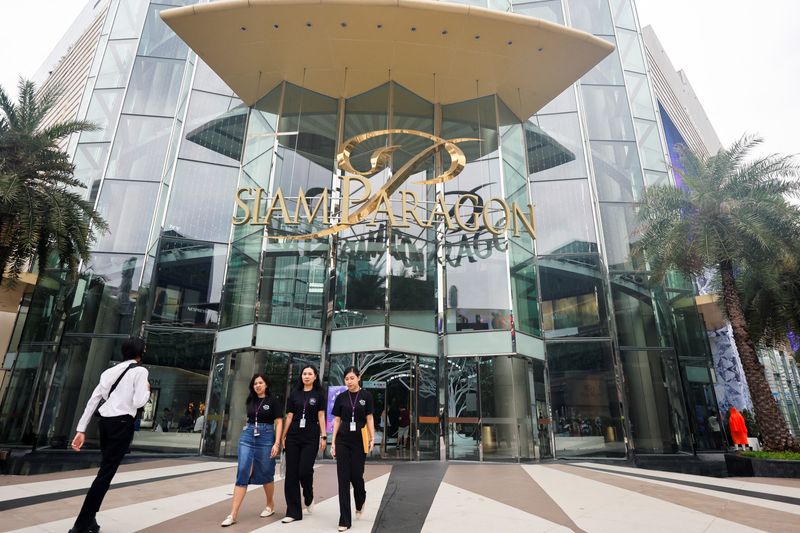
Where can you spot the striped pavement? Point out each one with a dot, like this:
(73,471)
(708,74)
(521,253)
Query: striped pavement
(194,496)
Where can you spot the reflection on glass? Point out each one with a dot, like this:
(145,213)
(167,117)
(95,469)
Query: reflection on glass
(102,112)
(116,64)
(630,51)
(241,282)
(90,161)
(639,90)
(214,129)
(105,295)
(650,144)
(617,171)
(592,16)
(201,202)
(293,284)
(607,113)
(360,278)
(154,87)
(188,283)
(499,438)
(128,22)
(655,402)
(128,208)
(158,40)
(543,420)
(463,427)
(140,148)
(412,296)
(565,129)
(584,401)
(573,299)
(564,219)
(620,223)
(641,311)
(607,72)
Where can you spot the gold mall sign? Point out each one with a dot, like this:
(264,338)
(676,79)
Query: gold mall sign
(371,205)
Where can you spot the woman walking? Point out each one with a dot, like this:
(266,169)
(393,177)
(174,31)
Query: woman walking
(258,447)
(303,436)
(352,411)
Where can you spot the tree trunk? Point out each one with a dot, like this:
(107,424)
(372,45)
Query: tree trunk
(773,426)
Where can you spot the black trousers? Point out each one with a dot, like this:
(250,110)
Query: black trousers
(300,457)
(350,471)
(116,434)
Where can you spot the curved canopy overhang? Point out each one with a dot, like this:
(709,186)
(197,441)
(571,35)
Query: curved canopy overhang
(443,52)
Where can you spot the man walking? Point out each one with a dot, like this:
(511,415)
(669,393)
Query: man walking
(124,389)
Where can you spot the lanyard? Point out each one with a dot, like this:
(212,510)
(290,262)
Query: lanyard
(258,409)
(305,401)
(353,404)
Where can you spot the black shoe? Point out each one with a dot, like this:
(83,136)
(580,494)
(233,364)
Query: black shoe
(94,528)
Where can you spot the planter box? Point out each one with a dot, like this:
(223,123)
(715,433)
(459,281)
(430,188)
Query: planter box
(740,466)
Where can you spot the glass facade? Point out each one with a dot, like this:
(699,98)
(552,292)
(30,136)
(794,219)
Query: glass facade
(503,345)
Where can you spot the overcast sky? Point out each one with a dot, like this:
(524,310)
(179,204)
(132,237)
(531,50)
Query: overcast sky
(741,56)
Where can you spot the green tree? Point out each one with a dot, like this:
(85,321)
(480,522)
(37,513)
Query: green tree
(731,213)
(770,293)
(42,211)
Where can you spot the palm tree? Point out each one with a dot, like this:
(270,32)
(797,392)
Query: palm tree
(42,212)
(770,294)
(731,213)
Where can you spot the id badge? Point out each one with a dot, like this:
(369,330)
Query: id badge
(302,423)
(255,432)
(352,425)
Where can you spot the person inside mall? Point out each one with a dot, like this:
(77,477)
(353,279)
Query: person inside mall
(353,439)
(303,436)
(258,447)
(122,390)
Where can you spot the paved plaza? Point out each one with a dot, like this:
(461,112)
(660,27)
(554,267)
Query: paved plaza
(194,496)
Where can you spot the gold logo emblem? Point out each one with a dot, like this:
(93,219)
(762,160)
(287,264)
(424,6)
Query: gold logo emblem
(372,204)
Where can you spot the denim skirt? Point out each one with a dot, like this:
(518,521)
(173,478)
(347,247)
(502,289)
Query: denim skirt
(255,465)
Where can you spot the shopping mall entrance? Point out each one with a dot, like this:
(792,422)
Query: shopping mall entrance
(405,388)
(496,409)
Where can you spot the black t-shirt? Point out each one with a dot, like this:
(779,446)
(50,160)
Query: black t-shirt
(343,408)
(268,408)
(312,402)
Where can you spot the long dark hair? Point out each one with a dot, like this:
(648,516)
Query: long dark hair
(252,398)
(316,385)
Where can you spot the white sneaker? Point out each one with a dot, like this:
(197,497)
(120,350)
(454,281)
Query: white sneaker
(310,507)
(268,511)
(287,520)
(342,528)
(359,512)
(229,521)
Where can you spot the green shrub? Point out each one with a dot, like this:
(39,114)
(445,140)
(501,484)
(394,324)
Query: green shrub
(789,456)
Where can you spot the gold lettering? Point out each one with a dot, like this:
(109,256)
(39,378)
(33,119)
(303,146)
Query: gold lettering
(278,199)
(474,198)
(530,225)
(346,200)
(486,213)
(302,202)
(412,211)
(242,204)
(383,200)
(440,210)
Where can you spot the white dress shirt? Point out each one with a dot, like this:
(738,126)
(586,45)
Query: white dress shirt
(131,393)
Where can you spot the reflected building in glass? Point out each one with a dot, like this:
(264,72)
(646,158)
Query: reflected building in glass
(482,274)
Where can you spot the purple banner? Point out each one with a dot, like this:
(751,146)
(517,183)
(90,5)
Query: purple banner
(333,392)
